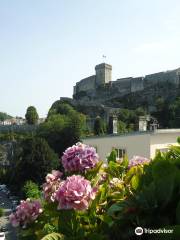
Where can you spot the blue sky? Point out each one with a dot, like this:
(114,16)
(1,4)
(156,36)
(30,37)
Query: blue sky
(46,46)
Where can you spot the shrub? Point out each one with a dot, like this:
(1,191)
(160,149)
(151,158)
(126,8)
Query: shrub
(31,190)
(109,202)
(33,159)
(155,200)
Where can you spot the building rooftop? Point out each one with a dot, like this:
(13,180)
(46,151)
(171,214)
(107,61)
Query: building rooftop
(153,132)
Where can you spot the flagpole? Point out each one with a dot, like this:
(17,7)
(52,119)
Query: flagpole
(104,57)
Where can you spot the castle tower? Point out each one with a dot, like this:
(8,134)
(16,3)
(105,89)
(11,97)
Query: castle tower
(103,74)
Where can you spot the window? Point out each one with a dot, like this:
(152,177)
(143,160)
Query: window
(120,153)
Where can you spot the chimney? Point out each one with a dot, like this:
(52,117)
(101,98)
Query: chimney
(143,123)
(113,120)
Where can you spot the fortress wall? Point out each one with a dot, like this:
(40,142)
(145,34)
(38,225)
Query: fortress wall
(137,84)
(86,84)
(172,77)
(169,76)
(122,85)
(153,79)
(123,79)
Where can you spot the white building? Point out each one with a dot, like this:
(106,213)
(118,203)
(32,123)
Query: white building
(144,144)
(13,121)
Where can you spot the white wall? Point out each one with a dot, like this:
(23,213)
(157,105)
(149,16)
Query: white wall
(142,144)
(163,140)
(136,144)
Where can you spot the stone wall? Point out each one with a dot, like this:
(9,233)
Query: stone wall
(102,77)
(137,84)
(160,78)
(100,88)
(122,86)
(85,84)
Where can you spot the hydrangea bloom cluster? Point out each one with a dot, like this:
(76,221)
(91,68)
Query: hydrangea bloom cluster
(138,160)
(79,157)
(115,182)
(52,184)
(75,193)
(27,212)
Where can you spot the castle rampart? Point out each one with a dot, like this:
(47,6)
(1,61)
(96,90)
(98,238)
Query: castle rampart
(137,84)
(86,84)
(123,86)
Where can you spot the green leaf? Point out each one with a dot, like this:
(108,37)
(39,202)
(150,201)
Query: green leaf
(162,169)
(53,236)
(96,236)
(175,235)
(135,182)
(92,173)
(176,232)
(115,169)
(178,213)
(164,174)
(67,222)
(134,171)
(117,207)
(146,199)
(125,161)
(112,157)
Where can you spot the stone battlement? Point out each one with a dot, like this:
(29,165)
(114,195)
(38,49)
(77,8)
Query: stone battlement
(123,86)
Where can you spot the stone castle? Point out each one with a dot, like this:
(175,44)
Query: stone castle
(98,95)
(87,89)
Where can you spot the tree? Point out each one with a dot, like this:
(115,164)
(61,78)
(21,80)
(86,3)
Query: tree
(174,113)
(63,127)
(31,115)
(52,131)
(60,108)
(122,128)
(33,160)
(98,126)
(4,116)
(159,103)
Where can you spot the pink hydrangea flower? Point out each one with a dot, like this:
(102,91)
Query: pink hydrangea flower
(79,158)
(51,185)
(75,193)
(27,212)
(138,160)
